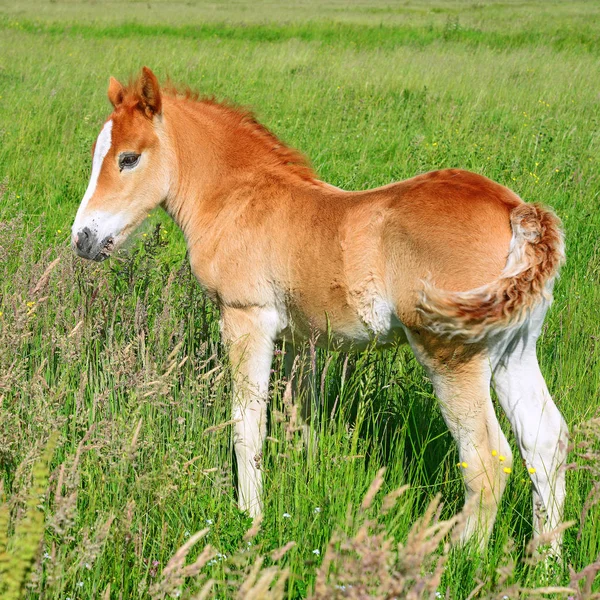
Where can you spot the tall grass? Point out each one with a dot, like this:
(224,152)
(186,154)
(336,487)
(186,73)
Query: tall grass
(123,359)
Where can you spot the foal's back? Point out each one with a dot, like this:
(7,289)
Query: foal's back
(350,248)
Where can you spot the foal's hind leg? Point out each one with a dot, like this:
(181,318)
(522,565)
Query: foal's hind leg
(539,427)
(461,379)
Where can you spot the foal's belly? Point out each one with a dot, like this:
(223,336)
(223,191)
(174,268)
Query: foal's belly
(370,321)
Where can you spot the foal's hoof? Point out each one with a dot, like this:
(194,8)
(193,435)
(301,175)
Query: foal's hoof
(253,510)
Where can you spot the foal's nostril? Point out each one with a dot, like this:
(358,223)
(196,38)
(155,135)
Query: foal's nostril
(84,240)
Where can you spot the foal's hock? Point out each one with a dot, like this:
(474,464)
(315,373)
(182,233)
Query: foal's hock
(452,263)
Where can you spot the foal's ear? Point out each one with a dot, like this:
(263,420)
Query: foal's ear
(115,92)
(150,93)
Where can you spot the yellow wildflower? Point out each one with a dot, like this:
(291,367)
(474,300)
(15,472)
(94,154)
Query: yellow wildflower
(507,470)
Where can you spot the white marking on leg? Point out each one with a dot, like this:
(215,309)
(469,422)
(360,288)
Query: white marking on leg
(251,333)
(539,427)
(103,145)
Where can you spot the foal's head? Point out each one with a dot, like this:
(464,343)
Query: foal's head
(130,174)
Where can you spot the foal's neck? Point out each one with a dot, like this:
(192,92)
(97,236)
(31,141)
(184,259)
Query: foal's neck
(218,150)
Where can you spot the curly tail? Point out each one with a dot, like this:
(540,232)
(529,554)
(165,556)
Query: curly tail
(535,255)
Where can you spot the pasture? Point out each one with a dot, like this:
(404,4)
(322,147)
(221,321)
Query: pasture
(115,417)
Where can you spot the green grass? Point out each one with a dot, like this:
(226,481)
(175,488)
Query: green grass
(372,93)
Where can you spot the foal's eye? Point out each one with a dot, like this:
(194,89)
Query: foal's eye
(128,160)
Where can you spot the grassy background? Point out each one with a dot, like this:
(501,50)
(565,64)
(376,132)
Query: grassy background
(373,92)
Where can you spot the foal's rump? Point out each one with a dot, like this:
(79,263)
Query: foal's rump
(484,257)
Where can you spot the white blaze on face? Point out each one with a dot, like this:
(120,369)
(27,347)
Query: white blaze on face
(103,145)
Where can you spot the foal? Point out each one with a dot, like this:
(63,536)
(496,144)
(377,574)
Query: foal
(449,261)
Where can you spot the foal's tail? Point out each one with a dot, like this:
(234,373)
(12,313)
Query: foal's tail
(535,255)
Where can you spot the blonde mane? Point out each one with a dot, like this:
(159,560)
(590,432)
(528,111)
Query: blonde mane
(243,122)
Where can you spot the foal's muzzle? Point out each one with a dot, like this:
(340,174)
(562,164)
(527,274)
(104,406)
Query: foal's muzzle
(87,245)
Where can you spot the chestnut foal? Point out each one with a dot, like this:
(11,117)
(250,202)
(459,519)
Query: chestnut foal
(453,263)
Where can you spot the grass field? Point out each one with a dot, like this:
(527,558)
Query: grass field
(114,391)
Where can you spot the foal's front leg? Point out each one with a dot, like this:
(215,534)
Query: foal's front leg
(249,334)
(299,368)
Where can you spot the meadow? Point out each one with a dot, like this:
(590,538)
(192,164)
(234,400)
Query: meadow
(115,445)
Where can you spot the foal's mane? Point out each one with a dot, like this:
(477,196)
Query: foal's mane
(244,119)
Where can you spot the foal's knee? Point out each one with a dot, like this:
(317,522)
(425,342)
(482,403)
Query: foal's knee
(492,462)
(503,454)
(487,473)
